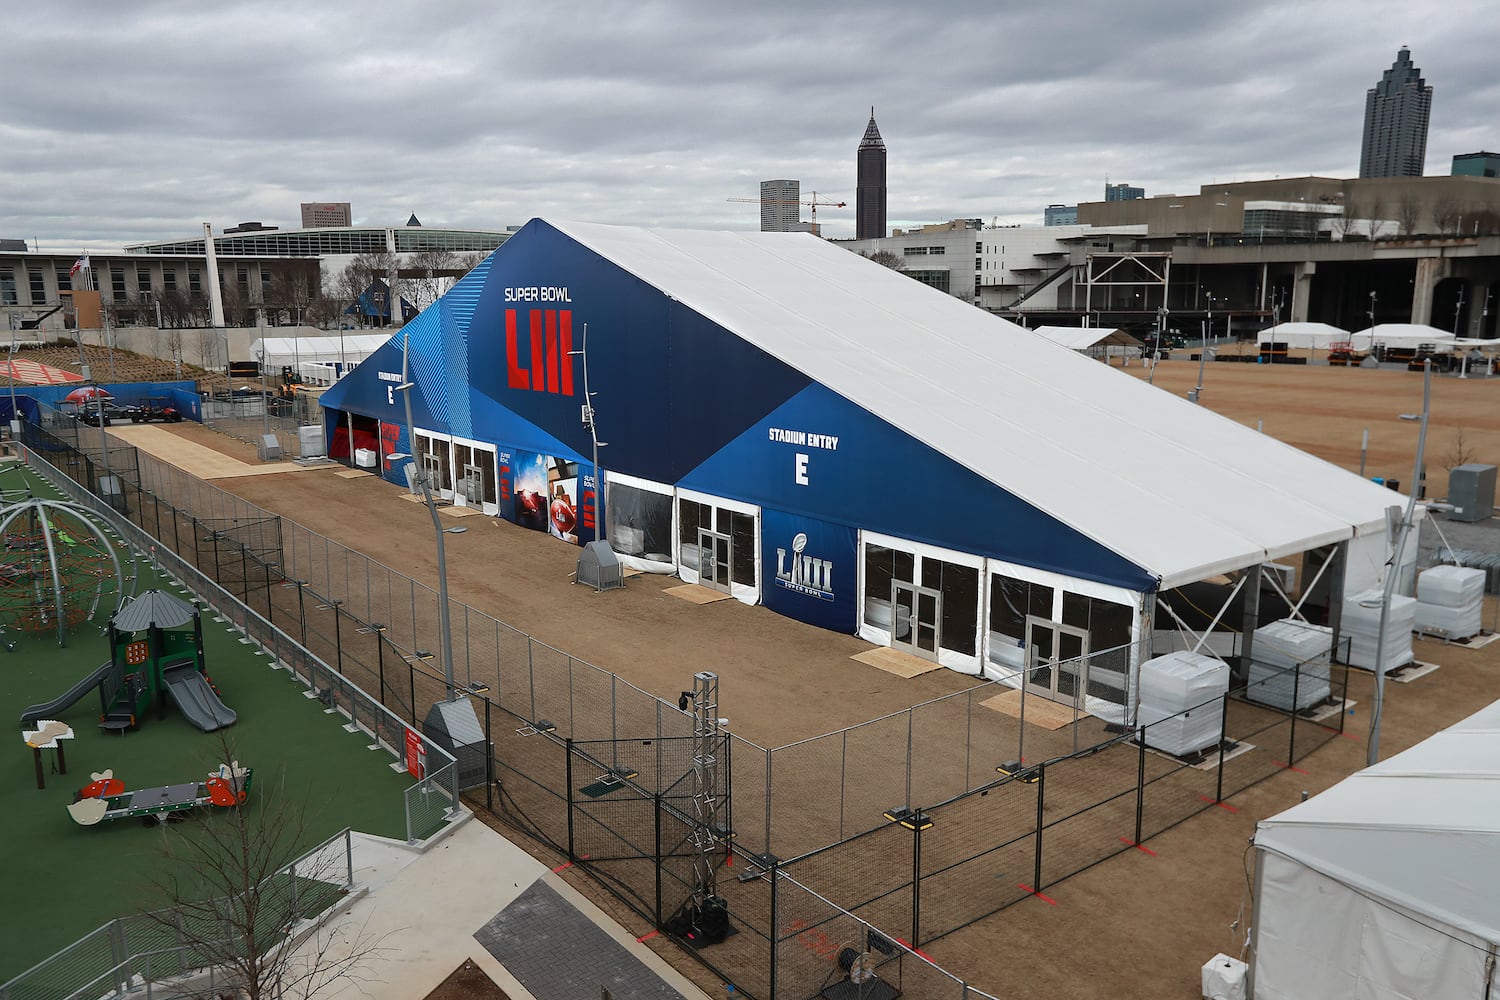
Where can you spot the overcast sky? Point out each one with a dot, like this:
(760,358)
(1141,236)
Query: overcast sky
(140,120)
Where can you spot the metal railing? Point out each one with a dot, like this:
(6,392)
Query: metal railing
(146,953)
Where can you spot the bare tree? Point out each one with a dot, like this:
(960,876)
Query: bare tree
(436,277)
(1344,224)
(1447,215)
(236,904)
(1373,211)
(363,271)
(1460,451)
(1408,213)
(886,258)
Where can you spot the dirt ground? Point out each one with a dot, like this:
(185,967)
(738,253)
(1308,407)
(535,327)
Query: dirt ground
(1138,925)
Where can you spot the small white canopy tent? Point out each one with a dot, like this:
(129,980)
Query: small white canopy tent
(1386,885)
(1400,335)
(274,353)
(1081,338)
(1297,336)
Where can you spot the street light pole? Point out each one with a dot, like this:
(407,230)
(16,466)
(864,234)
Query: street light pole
(1394,569)
(437,526)
(1203,349)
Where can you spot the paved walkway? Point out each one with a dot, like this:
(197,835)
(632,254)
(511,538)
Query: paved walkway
(205,463)
(473,895)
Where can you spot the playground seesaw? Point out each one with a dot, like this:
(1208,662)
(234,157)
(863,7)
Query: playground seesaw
(105,798)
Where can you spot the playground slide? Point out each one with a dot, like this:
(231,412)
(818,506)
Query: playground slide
(196,700)
(50,709)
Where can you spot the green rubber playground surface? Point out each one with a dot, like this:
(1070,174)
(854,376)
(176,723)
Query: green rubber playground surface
(62,880)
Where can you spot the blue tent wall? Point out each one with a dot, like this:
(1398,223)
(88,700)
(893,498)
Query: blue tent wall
(683,401)
(820,456)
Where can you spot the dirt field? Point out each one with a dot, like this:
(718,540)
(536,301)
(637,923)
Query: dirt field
(1138,925)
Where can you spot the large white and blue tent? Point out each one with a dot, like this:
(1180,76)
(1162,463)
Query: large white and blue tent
(803,428)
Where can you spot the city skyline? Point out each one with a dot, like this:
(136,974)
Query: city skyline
(140,122)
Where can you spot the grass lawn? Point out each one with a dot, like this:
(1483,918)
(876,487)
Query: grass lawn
(64,880)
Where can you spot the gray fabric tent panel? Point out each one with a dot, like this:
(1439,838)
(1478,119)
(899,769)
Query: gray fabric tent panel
(558,953)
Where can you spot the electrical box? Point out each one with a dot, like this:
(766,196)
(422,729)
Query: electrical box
(1471,491)
(270,448)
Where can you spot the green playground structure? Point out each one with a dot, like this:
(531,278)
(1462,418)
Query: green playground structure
(154,656)
(104,799)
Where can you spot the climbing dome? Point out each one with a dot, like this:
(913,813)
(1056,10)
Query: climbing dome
(59,567)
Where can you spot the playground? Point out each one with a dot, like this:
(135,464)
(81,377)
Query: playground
(71,877)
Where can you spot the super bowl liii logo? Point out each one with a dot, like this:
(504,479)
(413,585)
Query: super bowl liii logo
(806,575)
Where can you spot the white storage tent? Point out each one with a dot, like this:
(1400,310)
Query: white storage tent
(275,353)
(1300,336)
(1084,338)
(1386,884)
(1400,335)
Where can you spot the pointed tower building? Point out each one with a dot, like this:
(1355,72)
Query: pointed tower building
(869,185)
(1396,113)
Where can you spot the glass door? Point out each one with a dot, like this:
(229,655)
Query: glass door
(1057,660)
(916,619)
(714,560)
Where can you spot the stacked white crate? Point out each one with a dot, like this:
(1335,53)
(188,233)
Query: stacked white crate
(1182,701)
(1289,660)
(1361,624)
(1450,601)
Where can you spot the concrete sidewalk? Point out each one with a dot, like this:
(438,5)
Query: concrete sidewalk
(422,909)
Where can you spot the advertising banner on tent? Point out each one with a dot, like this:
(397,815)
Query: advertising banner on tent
(810,570)
(505,492)
(553,494)
(393,441)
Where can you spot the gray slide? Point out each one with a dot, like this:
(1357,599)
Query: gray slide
(196,700)
(50,709)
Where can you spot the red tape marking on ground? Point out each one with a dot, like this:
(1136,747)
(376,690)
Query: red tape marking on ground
(1138,847)
(647,937)
(1046,899)
(907,944)
(1288,767)
(565,864)
(1216,802)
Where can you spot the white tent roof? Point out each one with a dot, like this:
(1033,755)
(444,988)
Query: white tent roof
(351,348)
(1295,335)
(1174,488)
(1078,338)
(1400,335)
(1420,830)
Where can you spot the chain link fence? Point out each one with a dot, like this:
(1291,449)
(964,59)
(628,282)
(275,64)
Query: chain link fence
(594,767)
(144,951)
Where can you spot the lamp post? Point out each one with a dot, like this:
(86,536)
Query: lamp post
(1394,569)
(1372,322)
(1203,349)
(592,425)
(437,526)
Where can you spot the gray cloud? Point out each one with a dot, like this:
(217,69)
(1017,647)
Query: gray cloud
(138,121)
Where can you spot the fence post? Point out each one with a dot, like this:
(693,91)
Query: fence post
(658,859)
(217,577)
(769,853)
(270,611)
(531,678)
(379,631)
(910,714)
(916,881)
(1291,739)
(1041,789)
(489,757)
(411,675)
(775,935)
(1140,781)
(728,778)
(302,610)
(568,770)
(338,636)
(1223,739)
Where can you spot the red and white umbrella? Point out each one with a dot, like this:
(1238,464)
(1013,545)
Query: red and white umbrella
(87,394)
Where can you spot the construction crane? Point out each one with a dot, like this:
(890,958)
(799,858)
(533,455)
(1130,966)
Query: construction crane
(777,201)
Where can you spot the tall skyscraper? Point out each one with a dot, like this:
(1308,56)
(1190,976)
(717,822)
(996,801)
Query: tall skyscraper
(869,185)
(1396,112)
(780,211)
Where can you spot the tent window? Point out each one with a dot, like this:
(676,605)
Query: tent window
(959,586)
(742,545)
(882,565)
(640,522)
(690,519)
(1011,600)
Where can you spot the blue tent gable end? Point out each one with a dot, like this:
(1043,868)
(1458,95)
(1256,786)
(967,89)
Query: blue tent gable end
(819,453)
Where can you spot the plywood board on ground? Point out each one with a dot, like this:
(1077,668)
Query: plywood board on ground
(893,661)
(461,511)
(205,463)
(352,473)
(695,594)
(1039,711)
